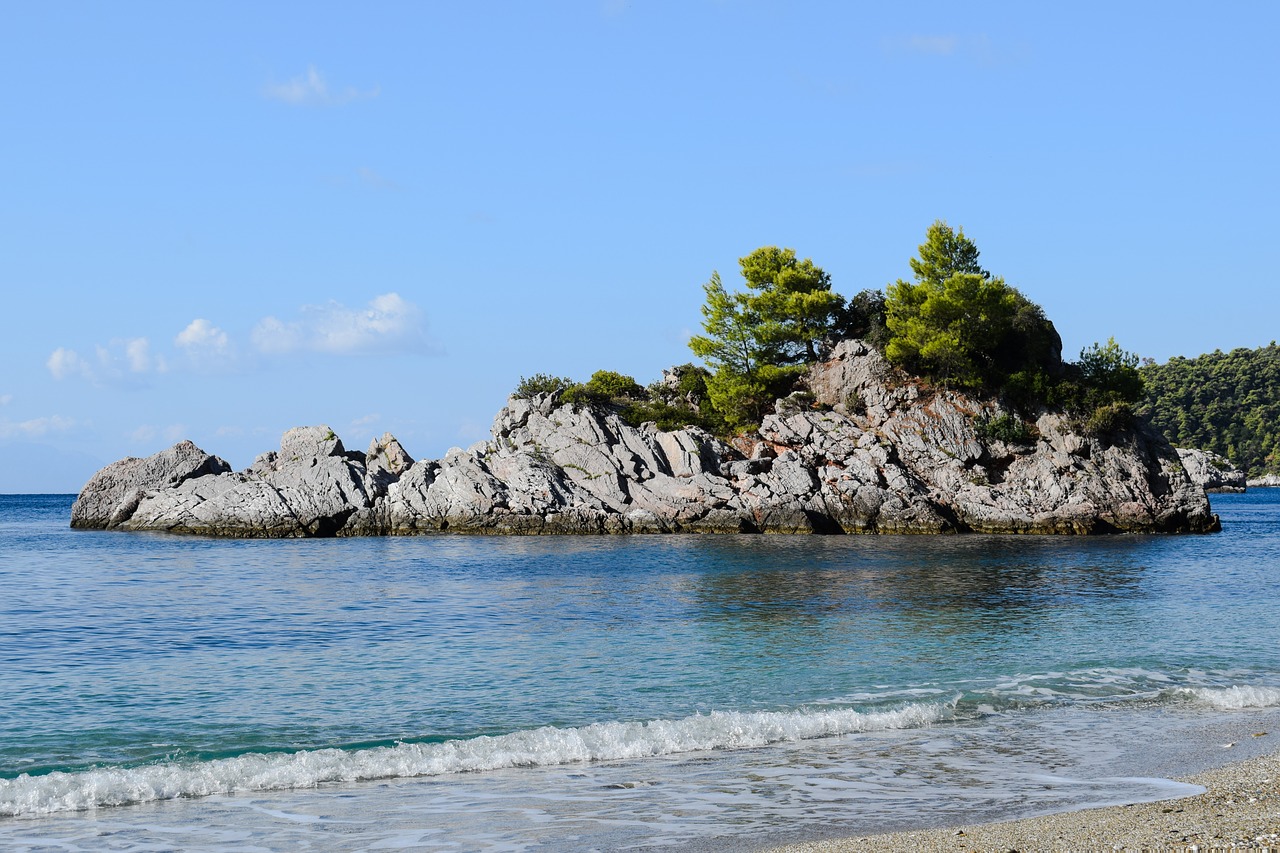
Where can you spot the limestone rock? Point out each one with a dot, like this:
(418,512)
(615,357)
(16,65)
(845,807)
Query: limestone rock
(112,495)
(309,442)
(1210,471)
(310,488)
(873,451)
(1266,481)
(384,462)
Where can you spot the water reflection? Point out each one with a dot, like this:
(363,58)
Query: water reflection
(779,579)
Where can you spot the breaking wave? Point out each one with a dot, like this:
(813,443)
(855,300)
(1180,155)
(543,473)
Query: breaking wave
(112,786)
(1234,698)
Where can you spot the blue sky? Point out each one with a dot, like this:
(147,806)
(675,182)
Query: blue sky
(220,221)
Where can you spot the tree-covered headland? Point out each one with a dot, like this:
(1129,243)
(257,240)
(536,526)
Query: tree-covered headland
(1228,403)
(954,325)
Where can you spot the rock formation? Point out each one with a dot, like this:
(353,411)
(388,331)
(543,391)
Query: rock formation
(112,496)
(1210,471)
(874,452)
(1266,481)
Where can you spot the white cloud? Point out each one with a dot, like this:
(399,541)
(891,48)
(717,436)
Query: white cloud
(6,399)
(138,353)
(272,336)
(311,88)
(66,362)
(389,323)
(365,421)
(205,346)
(36,427)
(123,360)
(200,334)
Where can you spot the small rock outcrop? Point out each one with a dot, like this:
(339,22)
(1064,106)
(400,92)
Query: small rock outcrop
(876,452)
(112,496)
(1266,481)
(1210,471)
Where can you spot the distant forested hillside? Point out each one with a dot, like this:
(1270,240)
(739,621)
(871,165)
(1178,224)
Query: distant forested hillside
(1225,402)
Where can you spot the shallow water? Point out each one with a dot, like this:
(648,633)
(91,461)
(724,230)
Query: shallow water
(579,692)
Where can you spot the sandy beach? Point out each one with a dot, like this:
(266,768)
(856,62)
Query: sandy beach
(1240,809)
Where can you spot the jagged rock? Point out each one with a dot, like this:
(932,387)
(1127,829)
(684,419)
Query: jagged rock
(384,462)
(873,451)
(310,488)
(1267,481)
(309,442)
(112,495)
(387,454)
(1210,471)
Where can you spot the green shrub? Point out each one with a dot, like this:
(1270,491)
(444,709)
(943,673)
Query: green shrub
(540,383)
(1111,374)
(692,381)
(1109,418)
(1026,390)
(854,405)
(578,395)
(606,385)
(1007,427)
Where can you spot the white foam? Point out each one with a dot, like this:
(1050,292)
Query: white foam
(1232,698)
(58,791)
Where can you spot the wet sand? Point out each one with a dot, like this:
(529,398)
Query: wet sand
(1240,809)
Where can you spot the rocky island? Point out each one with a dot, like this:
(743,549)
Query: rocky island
(869,449)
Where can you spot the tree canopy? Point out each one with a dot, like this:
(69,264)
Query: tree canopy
(962,326)
(955,324)
(757,340)
(1228,403)
(794,304)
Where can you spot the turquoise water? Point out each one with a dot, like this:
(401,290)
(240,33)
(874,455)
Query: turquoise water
(576,692)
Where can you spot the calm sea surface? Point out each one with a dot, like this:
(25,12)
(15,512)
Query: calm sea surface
(576,693)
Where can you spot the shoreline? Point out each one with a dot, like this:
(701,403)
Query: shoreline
(1239,809)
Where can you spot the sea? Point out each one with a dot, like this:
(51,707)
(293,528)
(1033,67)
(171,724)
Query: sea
(458,693)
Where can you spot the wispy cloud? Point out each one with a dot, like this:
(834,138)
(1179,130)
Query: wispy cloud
(36,427)
(65,362)
(370,178)
(122,361)
(978,49)
(137,353)
(389,323)
(311,88)
(6,399)
(147,433)
(364,178)
(934,45)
